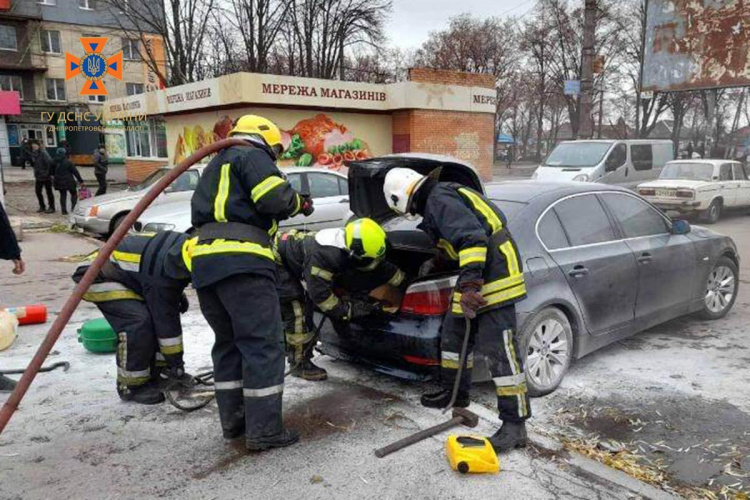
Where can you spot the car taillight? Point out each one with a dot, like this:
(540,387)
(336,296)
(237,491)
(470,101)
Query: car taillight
(685,193)
(647,192)
(429,298)
(417,360)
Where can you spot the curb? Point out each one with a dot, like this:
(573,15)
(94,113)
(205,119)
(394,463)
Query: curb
(583,465)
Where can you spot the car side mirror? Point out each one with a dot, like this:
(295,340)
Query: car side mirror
(680,227)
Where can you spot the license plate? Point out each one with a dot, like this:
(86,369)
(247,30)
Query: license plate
(666,193)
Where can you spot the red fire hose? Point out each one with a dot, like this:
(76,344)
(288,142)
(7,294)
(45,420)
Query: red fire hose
(70,306)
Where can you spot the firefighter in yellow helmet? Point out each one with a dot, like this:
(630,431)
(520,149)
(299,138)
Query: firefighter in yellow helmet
(236,207)
(320,259)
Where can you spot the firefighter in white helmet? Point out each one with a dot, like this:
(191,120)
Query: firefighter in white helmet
(470,229)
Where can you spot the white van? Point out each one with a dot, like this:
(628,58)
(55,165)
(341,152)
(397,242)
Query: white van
(623,162)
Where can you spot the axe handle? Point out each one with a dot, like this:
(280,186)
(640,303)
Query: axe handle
(417,437)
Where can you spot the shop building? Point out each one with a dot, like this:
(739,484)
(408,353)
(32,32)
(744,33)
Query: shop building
(324,122)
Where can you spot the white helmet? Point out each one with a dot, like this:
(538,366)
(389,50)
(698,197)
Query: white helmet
(399,186)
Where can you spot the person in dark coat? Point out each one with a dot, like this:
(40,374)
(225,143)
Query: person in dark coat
(68,148)
(44,169)
(101,165)
(66,175)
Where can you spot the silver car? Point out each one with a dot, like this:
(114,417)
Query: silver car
(102,214)
(329,190)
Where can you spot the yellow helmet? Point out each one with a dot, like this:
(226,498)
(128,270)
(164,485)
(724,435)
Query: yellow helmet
(365,239)
(263,127)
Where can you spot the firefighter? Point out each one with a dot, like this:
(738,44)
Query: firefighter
(236,207)
(471,230)
(140,291)
(319,259)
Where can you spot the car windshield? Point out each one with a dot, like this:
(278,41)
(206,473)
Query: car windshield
(150,180)
(689,171)
(577,154)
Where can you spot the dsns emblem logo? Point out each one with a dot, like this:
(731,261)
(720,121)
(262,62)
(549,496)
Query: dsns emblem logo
(93,65)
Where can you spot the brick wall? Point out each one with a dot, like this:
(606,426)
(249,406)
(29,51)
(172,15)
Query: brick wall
(137,170)
(401,129)
(447,77)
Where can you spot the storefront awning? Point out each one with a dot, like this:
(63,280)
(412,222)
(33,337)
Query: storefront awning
(10,103)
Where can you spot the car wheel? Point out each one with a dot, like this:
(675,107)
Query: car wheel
(712,214)
(547,343)
(721,289)
(116,223)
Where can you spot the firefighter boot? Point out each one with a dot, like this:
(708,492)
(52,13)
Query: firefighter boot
(308,371)
(511,435)
(286,437)
(442,398)
(147,394)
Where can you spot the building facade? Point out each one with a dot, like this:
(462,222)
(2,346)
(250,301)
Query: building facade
(34,37)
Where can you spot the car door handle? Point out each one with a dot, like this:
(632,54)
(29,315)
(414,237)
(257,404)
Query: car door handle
(645,258)
(578,271)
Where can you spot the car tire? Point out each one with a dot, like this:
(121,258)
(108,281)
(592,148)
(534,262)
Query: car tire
(722,284)
(116,221)
(712,214)
(547,349)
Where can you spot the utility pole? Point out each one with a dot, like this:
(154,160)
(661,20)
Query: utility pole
(585,125)
(641,57)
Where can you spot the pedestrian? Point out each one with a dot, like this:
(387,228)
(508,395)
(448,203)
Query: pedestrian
(470,229)
(509,156)
(236,207)
(67,147)
(701,150)
(25,156)
(690,150)
(140,291)
(44,170)
(9,250)
(66,175)
(319,259)
(101,165)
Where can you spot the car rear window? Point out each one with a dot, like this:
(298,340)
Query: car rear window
(551,232)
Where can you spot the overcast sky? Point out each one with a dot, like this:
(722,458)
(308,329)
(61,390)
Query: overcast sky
(412,20)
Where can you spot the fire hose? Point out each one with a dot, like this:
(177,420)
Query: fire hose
(76,296)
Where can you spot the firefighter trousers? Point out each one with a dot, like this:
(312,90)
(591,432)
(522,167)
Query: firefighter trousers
(248,354)
(492,335)
(137,347)
(294,316)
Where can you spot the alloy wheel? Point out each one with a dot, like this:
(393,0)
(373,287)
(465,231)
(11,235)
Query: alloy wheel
(548,353)
(720,289)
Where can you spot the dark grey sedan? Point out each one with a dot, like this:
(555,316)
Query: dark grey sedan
(600,264)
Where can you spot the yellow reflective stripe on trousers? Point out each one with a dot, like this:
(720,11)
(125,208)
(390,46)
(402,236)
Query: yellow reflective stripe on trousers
(220,246)
(519,391)
(450,360)
(170,346)
(299,317)
(329,303)
(510,258)
(321,273)
(104,292)
(264,186)
(482,207)
(263,392)
(446,246)
(131,378)
(228,385)
(222,194)
(472,255)
(397,278)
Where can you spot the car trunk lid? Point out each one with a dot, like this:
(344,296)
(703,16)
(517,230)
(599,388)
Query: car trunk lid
(366,179)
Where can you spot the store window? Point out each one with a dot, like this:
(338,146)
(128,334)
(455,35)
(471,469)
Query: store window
(8,40)
(146,139)
(11,82)
(45,134)
(51,42)
(55,89)
(134,88)
(130,49)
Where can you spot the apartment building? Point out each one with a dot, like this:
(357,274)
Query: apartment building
(34,37)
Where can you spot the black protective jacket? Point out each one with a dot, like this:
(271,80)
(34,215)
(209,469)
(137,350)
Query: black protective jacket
(151,267)
(236,207)
(472,230)
(9,249)
(320,259)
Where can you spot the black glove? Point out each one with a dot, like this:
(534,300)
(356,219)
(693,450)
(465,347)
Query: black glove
(184,304)
(361,308)
(471,297)
(307,205)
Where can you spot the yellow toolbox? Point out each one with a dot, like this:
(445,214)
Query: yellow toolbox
(471,454)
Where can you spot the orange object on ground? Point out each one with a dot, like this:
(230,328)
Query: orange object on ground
(30,315)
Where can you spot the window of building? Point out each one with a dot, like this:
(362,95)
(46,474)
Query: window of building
(8,40)
(130,49)
(134,88)
(51,42)
(97,98)
(86,4)
(146,138)
(45,134)
(55,89)
(11,82)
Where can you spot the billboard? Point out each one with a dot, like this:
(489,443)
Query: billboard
(696,44)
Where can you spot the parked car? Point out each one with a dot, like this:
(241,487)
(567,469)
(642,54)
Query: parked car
(626,163)
(329,190)
(102,214)
(699,187)
(600,264)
